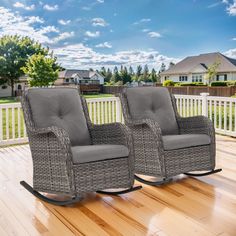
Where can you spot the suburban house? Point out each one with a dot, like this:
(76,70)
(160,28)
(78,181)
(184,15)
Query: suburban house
(85,77)
(5,89)
(194,68)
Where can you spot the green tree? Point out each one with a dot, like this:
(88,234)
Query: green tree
(145,75)
(126,77)
(138,73)
(131,71)
(153,76)
(212,72)
(163,67)
(40,70)
(14,53)
(171,65)
(116,75)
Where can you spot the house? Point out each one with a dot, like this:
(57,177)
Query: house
(194,68)
(5,89)
(69,76)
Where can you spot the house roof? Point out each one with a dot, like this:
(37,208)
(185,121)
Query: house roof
(203,61)
(82,73)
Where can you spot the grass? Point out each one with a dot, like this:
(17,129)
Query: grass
(13,99)
(101,95)
(8,100)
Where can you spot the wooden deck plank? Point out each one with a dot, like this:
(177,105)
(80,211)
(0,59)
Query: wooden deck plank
(186,206)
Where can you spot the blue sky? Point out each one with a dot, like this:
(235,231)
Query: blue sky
(95,33)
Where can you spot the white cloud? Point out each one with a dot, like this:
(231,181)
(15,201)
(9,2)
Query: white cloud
(99,22)
(144,20)
(145,30)
(81,56)
(22,5)
(12,23)
(35,19)
(64,22)
(92,34)
(231,9)
(231,53)
(234,38)
(100,1)
(50,7)
(104,45)
(63,36)
(225,1)
(153,34)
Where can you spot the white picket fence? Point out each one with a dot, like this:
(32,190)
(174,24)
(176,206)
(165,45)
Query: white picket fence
(221,110)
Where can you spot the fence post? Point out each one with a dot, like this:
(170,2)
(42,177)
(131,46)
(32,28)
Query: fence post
(204,104)
(118,110)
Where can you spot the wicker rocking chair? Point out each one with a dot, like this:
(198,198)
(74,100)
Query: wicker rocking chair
(71,156)
(165,144)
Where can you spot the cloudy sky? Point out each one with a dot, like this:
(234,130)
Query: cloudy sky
(95,33)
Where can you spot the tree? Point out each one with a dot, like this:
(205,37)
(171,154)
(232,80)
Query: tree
(163,67)
(14,53)
(131,71)
(145,75)
(40,70)
(116,76)
(153,75)
(138,73)
(212,71)
(125,76)
(171,64)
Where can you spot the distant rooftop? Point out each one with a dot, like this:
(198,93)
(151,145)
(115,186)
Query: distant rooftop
(202,62)
(71,72)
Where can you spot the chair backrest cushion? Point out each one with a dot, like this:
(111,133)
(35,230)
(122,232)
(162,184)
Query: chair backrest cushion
(60,107)
(155,104)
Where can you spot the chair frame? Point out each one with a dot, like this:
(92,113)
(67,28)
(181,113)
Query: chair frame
(150,157)
(53,169)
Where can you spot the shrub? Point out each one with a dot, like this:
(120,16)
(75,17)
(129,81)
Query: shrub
(168,83)
(219,83)
(231,83)
(193,84)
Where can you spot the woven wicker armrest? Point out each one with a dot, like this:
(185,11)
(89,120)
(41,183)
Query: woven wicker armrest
(196,124)
(114,133)
(60,134)
(153,125)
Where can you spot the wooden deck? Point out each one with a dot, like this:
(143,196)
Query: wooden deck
(187,206)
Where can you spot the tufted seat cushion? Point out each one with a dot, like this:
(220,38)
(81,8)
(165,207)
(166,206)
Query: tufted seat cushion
(82,154)
(173,142)
(155,104)
(60,107)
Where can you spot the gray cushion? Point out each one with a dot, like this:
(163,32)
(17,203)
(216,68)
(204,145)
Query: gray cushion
(172,142)
(155,104)
(60,107)
(82,154)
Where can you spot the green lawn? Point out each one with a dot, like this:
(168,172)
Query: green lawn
(12,99)
(101,95)
(7,100)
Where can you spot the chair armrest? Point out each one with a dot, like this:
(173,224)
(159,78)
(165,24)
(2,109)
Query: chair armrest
(61,135)
(114,133)
(152,125)
(196,124)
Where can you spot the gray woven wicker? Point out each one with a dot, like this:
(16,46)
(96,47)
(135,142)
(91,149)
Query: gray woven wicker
(53,168)
(151,158)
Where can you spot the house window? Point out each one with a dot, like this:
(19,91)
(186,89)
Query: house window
(67,80)
(183,78)
(225,77)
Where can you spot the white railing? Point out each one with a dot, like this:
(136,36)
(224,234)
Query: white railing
(221,110)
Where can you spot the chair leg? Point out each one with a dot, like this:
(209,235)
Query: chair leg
(49,200)
(205,173)
(132,189)
(153,183)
